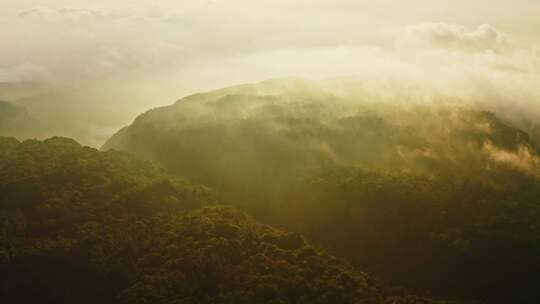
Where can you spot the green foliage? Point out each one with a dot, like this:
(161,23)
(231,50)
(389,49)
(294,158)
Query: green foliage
(412,229)
(433,196)
(82,226)
(222,256)
(61,203)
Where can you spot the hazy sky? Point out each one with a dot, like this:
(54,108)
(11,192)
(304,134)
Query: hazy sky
(161,50)
(62,40)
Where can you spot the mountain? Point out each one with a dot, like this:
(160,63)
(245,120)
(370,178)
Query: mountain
(435,195)
(89,112)
(79,114)
(15,121)
(16,90)
(9,111)
(79,225)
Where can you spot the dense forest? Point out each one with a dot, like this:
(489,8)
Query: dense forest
(286,191)
(82,226)
(269,152)
(436,195)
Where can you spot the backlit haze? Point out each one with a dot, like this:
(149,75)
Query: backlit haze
(101,63)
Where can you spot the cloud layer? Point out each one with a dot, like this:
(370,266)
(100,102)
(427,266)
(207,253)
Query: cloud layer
(457,37)
(139,55)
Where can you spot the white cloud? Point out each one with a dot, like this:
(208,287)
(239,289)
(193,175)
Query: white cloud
(68,13)
(24,72)
(183,47)
(456,37)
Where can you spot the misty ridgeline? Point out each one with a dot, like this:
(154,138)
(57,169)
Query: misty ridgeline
(285,191)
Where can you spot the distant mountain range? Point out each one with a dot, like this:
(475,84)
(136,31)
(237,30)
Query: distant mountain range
(15,121)
(88,114)
(16,90)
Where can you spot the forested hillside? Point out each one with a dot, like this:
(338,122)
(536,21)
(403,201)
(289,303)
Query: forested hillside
(82,226)
(436,195)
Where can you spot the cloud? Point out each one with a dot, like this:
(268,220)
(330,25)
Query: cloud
(523,159)
(128,56)
(456,37)
(24,72)
(68,13)
(37,11)
(197,46)
(153,14)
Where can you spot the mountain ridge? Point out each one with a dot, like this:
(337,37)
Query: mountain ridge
(438,181)
(81,225)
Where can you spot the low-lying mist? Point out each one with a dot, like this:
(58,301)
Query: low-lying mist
(372,171)
(277,151)
(99,82)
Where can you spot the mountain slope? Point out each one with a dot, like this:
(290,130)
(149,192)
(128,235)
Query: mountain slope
(78,225)
(373,178)
(89,113)
(15,90)
(15,121)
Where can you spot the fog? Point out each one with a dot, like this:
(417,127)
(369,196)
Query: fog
(100,64)
(270,151)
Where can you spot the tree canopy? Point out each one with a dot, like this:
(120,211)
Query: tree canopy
(79,225)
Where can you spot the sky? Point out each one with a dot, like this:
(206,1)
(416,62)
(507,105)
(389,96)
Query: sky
(143,53)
